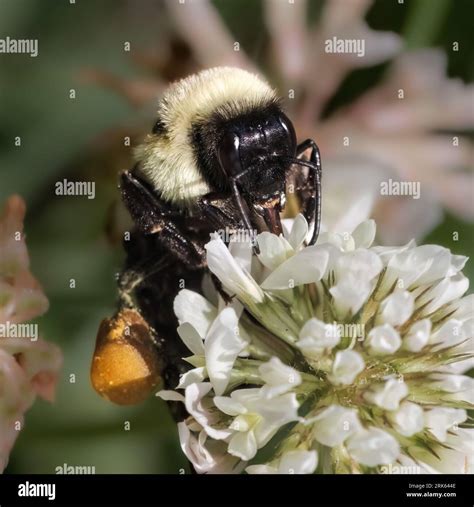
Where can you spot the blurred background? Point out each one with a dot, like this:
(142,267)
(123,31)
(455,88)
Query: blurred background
(90,95)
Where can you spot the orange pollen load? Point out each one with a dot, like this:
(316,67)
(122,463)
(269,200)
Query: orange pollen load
(126,366)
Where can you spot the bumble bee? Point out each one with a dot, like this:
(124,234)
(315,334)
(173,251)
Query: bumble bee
(219,156)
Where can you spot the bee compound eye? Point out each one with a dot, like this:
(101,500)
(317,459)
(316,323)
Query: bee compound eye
(290,131)
(125,366)
(229,154)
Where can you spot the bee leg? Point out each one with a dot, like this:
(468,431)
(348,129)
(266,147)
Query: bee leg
(243,210)
(313,206)
(154,216)
(144,207)
(220,209)
(220,289)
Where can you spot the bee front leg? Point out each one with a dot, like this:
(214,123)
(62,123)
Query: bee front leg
(313,205)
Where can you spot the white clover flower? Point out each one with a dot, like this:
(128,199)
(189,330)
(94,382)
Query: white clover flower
(206,456)
(334,425)
(387,395)
(373,447)
(316,336)
(278,377)
(256,419)
(408,419)
(215,354)
(342,354)
(291,462)
(346,366)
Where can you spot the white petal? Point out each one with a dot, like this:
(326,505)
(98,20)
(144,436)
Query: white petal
(194,394)
(418,336)
(440,420)
(387,395)
(397,308)
(462,440)
(364,234)
(447,461)
(408,419)
(242,252)
(299,231)
(204,461)
(278,411)
(464,308)
(440,262)
(387,252)
(223,344)
(279,378)
(228,405)
(334,424)
(170,396)
(229,271)
(243,445)
(275,412)
(200,458)
(247,397)
(373,447)
(461,387)
(189,306)
(274,250)
(241,423)
(350,294)
(383,340)
(191,338)
(261,469)
(447,290)
(344,242)
(307,266)
(316,335)
(362,263)
(450,333)
(298,462)
(192,376)
(347,365)
(410,265)
(457,263)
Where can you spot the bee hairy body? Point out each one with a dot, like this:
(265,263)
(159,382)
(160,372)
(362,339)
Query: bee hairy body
(218,158)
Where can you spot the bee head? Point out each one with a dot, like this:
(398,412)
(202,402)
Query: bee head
(254,152)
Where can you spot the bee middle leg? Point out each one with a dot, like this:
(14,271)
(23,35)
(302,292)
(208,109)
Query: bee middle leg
(154,216)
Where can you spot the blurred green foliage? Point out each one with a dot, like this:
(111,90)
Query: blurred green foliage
(66,235)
